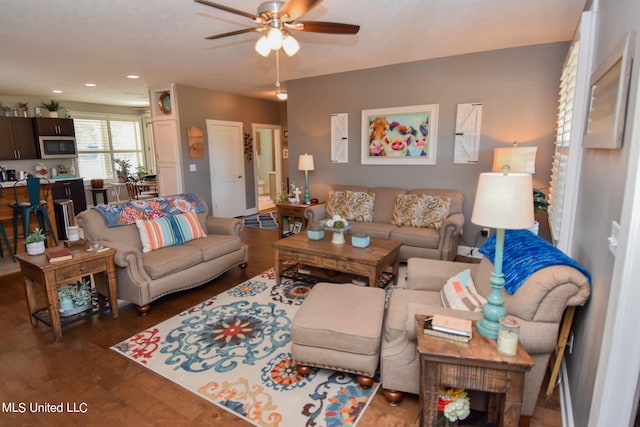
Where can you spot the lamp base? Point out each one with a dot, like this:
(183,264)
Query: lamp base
(493,310)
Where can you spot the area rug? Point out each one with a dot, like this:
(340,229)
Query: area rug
(234,350)
(266,221)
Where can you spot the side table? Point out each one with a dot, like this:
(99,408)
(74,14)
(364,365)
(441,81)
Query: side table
(288,215)
(36,269)
(475,365)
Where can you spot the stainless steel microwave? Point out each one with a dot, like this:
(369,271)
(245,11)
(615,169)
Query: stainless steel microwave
(57,147)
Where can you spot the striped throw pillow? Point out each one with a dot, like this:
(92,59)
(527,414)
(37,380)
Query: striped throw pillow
(156,233)
(187,227)
(460,293)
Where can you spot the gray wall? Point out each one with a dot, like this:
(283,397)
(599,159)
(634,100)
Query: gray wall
(518,88)
(601,201)
(197,105)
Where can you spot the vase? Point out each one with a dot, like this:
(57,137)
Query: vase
(65,304)
(35,248)
(53,114)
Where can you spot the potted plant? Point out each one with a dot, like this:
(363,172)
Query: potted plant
(539,204)
(123,166)
(35,242)
(74,298)
(142,171)
(24,107)
(52,106)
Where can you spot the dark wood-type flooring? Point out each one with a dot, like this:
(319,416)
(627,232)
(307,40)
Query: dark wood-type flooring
(84,373)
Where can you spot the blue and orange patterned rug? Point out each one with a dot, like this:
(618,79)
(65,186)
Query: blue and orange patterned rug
(234,350)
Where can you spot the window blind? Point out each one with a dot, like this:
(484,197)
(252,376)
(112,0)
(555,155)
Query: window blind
(573,102)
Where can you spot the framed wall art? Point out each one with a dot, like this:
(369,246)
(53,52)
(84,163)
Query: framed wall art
(400,136)
(609,93)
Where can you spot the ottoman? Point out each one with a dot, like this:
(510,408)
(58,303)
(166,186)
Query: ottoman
(338,326)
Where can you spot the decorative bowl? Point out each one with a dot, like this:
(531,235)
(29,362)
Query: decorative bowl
(360,240)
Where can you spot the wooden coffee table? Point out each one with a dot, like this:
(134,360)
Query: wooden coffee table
(475,365)
(371,261)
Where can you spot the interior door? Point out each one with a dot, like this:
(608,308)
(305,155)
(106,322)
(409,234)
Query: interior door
(226,165)
(270,151)
(168,158)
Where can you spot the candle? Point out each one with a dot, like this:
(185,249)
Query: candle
(508,336)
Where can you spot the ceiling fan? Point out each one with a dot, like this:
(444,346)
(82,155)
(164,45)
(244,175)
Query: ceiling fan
(279,19)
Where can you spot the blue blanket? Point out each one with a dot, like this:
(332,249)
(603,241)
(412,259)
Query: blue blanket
(127,213)
(524,254)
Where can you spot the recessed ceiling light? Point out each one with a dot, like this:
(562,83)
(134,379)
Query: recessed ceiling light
(133,76)
(56,91)
(90,84)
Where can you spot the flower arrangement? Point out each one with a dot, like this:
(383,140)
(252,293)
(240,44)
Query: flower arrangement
(79,293)
(454,403)
(336,222)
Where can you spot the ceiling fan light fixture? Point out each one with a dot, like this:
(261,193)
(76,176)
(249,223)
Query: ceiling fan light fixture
(282,96)
(290,45)
(262,46)
(274,36)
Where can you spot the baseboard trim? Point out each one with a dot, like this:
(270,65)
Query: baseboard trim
(566,409)
(468,251)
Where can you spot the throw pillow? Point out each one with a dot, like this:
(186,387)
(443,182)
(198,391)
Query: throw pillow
(435,212)
(408,209)
(460,293)
(360,206)
(156,233)
(337,204)
(188,227)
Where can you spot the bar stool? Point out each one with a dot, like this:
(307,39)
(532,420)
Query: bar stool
(5,240)
(25,208)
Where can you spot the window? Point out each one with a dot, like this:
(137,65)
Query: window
(567,160)
(101,138)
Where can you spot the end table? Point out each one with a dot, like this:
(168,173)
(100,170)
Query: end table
(475,365)
(36,269)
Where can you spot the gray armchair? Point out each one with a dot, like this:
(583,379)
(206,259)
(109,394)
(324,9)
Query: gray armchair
(539,305)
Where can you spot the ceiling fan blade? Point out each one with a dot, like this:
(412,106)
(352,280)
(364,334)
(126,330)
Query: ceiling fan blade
(233,33)
(326,27)
(296,8)
(227,9)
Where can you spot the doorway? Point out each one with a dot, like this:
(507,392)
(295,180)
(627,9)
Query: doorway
(267,164)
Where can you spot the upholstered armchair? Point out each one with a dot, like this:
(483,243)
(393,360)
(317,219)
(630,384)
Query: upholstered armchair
(538,304)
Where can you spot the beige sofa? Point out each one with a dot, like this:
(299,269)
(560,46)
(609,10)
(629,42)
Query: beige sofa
(539,305)
(144,277)
(416,242)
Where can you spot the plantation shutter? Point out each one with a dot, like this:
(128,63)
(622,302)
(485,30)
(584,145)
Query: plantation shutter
(572,113)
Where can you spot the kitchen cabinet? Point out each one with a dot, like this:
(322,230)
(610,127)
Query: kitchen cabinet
(45,126)
(72,189)
(17,141)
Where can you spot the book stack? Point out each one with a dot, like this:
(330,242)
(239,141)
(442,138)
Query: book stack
(57,255)
(452,328)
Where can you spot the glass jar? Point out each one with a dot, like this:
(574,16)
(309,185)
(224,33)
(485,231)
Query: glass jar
(508,333)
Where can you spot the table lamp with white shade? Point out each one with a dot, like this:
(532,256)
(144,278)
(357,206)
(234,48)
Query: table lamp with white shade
(305,163)
(503,201)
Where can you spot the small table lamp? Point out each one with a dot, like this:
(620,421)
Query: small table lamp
(305,163)
(503,201)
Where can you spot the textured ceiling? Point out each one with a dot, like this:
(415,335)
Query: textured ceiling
(49,44)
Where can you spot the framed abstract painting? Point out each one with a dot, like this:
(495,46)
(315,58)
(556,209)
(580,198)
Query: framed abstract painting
(400,136)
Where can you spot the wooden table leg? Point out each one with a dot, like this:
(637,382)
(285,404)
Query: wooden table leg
(54,309)
(278,267)
(29,289)
(113,287)
(430,391)
(396,268)
(374,273)
(513,400)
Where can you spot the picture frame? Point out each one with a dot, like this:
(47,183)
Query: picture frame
(609,94)
(297,227)
(400,135)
